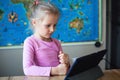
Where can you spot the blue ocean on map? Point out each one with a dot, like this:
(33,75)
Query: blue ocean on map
(79,21)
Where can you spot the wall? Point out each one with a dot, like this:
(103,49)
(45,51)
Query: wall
(108,32)
(10,62)
(11,58)
(115,34)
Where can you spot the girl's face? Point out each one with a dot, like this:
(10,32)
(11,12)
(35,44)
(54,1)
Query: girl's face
(46,26)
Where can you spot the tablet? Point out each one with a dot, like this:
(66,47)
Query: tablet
(84,63)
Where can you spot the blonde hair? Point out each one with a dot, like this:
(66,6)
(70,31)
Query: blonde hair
(40,10)
(43,8)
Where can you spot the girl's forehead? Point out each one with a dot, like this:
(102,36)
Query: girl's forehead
(49,16)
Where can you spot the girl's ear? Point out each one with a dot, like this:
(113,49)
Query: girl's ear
(33,22)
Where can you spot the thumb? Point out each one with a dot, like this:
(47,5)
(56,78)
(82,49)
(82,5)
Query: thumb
(61,52)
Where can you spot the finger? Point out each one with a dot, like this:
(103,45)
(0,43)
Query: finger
(61,52)
(61,61)
(61,55)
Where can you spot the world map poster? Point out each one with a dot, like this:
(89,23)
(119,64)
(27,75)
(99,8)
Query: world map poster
(79,21)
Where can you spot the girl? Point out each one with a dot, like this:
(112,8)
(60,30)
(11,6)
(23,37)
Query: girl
(43,55)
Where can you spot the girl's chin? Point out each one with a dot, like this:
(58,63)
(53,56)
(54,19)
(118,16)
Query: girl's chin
(48,37)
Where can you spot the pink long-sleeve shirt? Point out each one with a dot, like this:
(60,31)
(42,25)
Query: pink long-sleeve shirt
(39,56)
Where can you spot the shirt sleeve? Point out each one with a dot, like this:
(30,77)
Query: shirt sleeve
(29,68)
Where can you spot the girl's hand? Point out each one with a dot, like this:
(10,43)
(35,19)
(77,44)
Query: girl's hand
(61,69)
(63,58)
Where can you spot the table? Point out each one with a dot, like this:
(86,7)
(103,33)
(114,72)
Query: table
(113,74)
(32,78)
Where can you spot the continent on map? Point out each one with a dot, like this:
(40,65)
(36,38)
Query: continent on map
(60,1)
(77,23)
(25,3)
(74,6)
(12,17)
(1,14)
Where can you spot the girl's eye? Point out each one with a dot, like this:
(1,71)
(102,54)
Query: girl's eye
(48,26)
(55,26)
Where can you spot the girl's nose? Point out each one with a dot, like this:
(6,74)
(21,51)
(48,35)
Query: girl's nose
(52,29)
